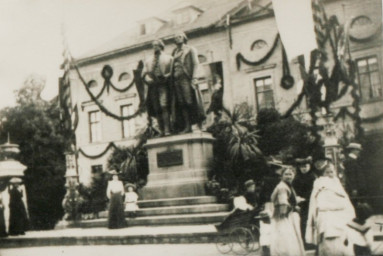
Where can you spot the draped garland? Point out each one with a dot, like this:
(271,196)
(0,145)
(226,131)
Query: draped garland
(110,145)
(240,58)
(107,73)
(343,112)
(107,83)
(342,72)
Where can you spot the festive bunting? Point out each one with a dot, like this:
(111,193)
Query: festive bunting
(240,58)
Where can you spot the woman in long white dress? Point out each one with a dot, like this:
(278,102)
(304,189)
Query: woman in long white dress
(285,232)
(115,192)
(329,212)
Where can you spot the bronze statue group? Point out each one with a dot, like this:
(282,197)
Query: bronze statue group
(13,210)
(312,210)
(173,98)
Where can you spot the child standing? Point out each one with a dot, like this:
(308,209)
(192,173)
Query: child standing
(131,200)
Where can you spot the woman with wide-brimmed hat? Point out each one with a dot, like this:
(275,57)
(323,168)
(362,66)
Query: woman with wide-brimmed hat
(115,192)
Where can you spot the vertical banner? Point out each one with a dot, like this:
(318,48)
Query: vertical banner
(296,26)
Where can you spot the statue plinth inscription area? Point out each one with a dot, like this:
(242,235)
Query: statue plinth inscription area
(178,165)
(170,158)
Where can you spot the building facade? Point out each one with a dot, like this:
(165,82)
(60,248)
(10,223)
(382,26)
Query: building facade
(220,30)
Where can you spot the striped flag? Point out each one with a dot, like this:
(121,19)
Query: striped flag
(320,19)
(64,89)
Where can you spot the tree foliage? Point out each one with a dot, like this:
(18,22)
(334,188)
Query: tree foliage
(132,162)
(286,137)
(237,156)
(34,124)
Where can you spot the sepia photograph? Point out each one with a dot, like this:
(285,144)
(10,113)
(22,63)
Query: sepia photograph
(191,127)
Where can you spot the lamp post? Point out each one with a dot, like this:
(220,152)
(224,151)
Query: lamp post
(331,145)
(72,197)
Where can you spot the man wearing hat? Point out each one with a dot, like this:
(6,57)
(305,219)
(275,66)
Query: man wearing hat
(157,72)
(188,109)
(303,185)
(355,181)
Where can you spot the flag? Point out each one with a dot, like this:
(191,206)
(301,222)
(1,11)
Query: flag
(296,26)
(320,18)
(64,90)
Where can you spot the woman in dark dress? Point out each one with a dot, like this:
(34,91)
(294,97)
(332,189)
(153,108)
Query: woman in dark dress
(18,219)
(3,232)
(115,193)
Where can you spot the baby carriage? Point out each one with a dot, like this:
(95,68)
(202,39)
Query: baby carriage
(239,232)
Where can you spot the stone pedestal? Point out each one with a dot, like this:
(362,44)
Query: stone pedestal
(178,165)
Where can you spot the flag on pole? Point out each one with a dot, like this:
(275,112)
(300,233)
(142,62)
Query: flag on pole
(296,26)
(64,91)
(320,18)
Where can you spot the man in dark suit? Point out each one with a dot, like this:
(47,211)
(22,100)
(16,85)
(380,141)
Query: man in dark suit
(187,96)
(355,180)
(157,72)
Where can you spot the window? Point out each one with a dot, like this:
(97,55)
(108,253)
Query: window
(96,169)
(205,98)
(124,76)
(128,126)
(264,92)
(95,126)
(259,44)
(92,84)
(142,29)
(369,80)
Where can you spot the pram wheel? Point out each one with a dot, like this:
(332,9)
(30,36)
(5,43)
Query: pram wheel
(223,243)
(243,241)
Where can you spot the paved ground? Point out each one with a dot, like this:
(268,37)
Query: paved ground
(129,231)
(120,250)
(142,249)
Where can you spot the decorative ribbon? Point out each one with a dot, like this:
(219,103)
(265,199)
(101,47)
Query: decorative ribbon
(343,112)
(102,107)
(240,57)
(107,73)
(110,145)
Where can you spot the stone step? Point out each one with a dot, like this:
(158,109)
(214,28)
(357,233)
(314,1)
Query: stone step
(172,210)
(177,201)
(103,236)
(182,219)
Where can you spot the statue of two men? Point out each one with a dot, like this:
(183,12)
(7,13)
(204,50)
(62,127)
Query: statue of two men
(173,97)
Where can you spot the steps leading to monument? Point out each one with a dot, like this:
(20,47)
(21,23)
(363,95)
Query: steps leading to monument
(104,236)
(177,201)
(172,210)
(176,219)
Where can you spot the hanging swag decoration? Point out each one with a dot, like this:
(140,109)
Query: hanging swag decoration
(110,145)
(287,81)
(240,58)
(107,74)
(344,112)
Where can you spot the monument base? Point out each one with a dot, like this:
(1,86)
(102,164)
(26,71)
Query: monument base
(178,165)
